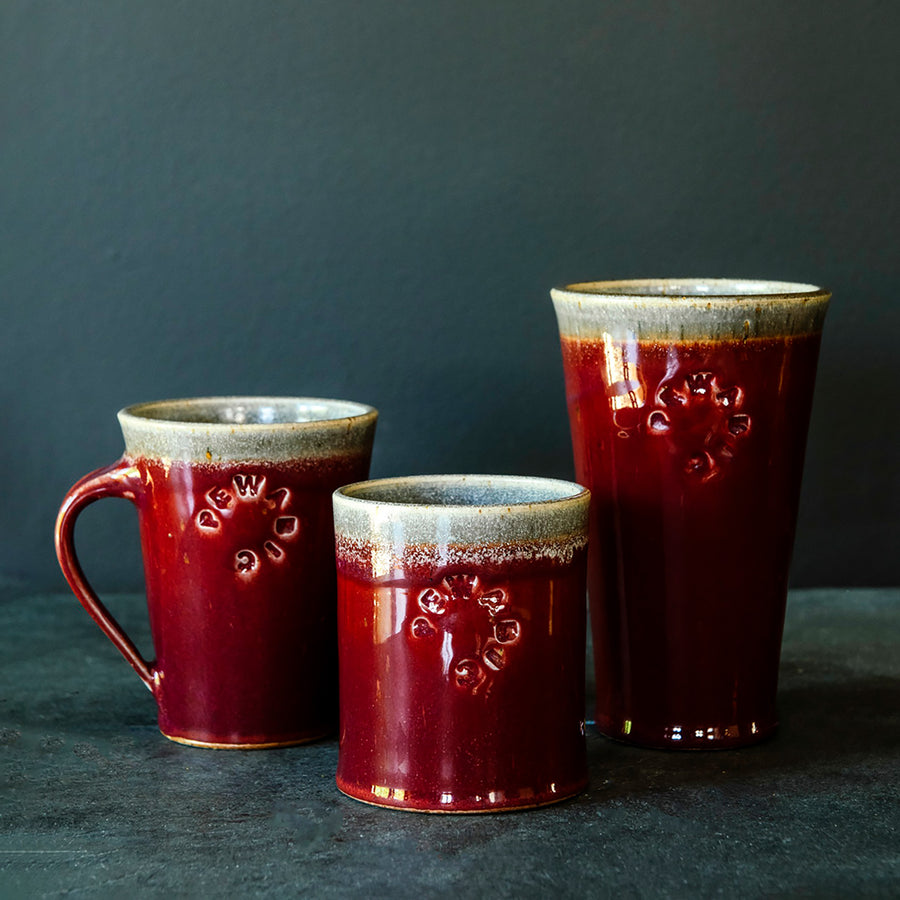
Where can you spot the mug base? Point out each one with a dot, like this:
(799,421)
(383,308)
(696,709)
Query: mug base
(686,737)
(394,798)
(265,745)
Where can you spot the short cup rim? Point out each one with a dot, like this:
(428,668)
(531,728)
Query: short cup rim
(569,492)
(530,518)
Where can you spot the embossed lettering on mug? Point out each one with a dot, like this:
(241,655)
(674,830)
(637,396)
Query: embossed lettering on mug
(247,501)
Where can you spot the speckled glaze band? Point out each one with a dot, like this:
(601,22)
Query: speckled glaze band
(689,309)
(237,429)
(460,518)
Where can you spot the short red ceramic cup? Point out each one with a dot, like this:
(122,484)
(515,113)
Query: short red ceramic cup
(234,505)
(461,633)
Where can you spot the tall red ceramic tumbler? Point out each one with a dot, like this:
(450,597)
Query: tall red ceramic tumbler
(689,402)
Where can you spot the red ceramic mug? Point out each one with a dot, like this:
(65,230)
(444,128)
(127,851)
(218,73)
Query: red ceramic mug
(234,506)
(689,401)
(461,633)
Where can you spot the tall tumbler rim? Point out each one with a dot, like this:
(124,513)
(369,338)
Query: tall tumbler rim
(693,290)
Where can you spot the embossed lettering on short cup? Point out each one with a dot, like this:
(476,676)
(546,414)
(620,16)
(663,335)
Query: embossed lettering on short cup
(476,623)
(243,501)
(249,485)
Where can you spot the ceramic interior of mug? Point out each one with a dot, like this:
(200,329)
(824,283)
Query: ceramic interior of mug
(690,308)
(205,429)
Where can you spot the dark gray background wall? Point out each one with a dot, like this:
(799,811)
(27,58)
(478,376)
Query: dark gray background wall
(370,200)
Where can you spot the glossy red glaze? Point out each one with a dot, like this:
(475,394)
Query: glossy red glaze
(462,690)
(241,592)
(239,567)
(693,453)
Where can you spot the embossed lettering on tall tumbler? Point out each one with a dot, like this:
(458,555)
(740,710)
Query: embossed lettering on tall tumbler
(234,505)
(689,402)
(461,631)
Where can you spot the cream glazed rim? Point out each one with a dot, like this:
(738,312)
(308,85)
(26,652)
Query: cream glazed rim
(693,291)
(689,309)
(246,427)
(463,509)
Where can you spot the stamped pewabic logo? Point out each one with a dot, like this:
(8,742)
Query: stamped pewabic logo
(474,627)
(703,421)
(245,505)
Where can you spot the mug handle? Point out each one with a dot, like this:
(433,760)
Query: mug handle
(121,479)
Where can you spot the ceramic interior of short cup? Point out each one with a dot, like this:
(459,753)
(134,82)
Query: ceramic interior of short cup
(462,508)
(245,428)
(689,308)
(463,490)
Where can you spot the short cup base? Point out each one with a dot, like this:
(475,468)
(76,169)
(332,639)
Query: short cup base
(447,804)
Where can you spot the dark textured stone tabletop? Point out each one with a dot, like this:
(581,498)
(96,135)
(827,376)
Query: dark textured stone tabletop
(95,802)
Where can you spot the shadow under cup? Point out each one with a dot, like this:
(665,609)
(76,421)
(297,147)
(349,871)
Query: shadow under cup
(689,402)
(234,506)
(461,633)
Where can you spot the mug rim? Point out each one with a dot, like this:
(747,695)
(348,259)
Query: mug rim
(690,290)
(136,413)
